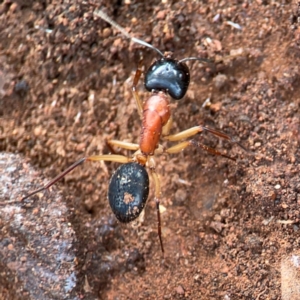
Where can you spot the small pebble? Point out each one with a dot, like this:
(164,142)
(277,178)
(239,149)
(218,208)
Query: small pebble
(106,32)
(220,81)
(21,88)
(180,290)
(180,196)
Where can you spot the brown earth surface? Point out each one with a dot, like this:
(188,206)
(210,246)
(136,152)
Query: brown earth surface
(230,228)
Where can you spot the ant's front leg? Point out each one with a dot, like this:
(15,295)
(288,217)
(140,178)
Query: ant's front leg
(136,79)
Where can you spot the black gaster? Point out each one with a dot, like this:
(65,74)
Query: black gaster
(168,75)
(128,191)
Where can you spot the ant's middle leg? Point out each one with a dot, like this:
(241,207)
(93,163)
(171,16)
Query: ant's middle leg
(123,145)
(198,129)
(181,146)
(193,131)
(110,157)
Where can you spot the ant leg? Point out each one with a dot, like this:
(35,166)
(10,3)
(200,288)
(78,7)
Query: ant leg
(136,79)
(166,129)
(123,145)
(198,129)
(109,157)
(181,146)
(157,197)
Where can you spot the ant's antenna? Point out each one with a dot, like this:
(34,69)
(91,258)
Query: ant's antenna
(101,14)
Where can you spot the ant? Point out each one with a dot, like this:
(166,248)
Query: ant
(129,185)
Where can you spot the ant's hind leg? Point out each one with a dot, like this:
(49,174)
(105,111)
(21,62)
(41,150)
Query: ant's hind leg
(109,157)
(157,201)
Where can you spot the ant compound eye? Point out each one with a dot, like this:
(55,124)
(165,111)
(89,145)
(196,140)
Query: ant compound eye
(168,75)
(128,191)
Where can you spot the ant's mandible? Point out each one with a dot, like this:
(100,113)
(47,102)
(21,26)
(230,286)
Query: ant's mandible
(129,185)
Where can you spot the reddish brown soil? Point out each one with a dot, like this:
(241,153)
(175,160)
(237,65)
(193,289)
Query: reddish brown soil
(228,227)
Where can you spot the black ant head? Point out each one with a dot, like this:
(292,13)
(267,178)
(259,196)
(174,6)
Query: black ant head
(168,75)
